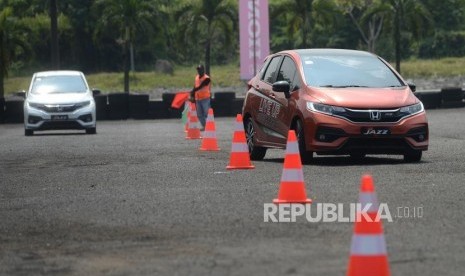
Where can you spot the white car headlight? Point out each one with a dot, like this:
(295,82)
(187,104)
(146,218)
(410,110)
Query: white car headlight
(82,104)
(324,108)
(412,109)
(36,105)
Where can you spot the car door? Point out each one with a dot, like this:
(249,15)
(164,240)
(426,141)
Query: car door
(287,72)
(266,114)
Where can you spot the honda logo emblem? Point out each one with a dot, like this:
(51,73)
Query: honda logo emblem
(375,115)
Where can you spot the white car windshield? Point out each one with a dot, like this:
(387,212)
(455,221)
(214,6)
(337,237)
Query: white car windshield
(58,84)
(341,71)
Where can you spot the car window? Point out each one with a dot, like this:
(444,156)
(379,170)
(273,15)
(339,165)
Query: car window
(287,72)
(58,84)
(348,71)
(271,70)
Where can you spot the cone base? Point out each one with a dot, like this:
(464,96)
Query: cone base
(190,138)
(240,167)
(284,201)
(205,149)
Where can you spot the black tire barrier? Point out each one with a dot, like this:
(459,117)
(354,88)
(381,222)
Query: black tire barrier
(101,106)
(452,97)
(224,96)
(430,99)
(158,110)
(167,99)
(237,106)
(138,106)
(14,111)
(2,110)
(118,106)
(221,108)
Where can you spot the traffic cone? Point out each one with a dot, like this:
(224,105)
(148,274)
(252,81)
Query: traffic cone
(368,254)
(292,188)
(239,158)
(193,129)
(209,142)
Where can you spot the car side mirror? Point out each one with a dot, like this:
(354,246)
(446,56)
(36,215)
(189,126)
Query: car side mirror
(412,86)
(282,86)
(96,92)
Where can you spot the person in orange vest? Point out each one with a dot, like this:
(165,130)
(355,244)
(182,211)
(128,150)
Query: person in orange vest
(201,94)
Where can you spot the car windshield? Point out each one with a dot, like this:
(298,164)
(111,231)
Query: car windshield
(58,84)
(341,71)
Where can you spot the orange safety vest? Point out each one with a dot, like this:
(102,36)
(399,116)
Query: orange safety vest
(204,92)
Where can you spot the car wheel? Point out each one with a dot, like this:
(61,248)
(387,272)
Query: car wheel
(305,156)
(256,152)
(92,130)
(28,132)
(413,156)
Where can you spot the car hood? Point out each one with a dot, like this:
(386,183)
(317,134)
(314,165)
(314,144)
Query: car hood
(363,98)
(64,98)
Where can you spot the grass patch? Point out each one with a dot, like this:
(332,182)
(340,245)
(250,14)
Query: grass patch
(445,67)
(228,76)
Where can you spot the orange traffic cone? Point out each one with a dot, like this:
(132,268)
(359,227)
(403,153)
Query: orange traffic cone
(193,130)
(239,158)
(209,141)
(292,188)
(368,255)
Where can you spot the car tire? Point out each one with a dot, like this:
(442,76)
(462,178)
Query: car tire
(256,152)
(28,132)
(413,156)
(92,130)
(305,156)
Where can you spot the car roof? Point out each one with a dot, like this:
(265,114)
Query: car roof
(329,51)
(58,73)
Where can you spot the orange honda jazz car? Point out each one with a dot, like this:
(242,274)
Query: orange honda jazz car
(339,102)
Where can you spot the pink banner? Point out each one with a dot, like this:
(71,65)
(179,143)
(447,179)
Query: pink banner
(254,36)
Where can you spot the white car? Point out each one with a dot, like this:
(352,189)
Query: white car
(59,100)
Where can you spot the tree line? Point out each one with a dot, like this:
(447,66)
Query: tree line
(115,35)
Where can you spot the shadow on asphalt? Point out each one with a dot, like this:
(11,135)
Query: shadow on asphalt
(59,134)
(337,161)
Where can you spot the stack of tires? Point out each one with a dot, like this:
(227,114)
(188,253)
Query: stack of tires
(167,99)
(222,103)
(101,106)
(118,106)
(139,106)
(14,111)
(452,97)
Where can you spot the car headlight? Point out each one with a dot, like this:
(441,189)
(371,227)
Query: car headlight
(36,105)
(412,109)
(324,108)
(82,104)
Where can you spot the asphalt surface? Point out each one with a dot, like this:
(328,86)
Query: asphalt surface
(139,199)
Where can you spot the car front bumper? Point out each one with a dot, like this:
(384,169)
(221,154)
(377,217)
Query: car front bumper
(326,134)
(37,119)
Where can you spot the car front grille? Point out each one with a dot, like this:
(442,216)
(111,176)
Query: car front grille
(58,108)
(372,116)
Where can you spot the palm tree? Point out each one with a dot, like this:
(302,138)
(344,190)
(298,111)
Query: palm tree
(405,16)
(12,40)
(205,20)
(129,17)
(302,16)
(366,17)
